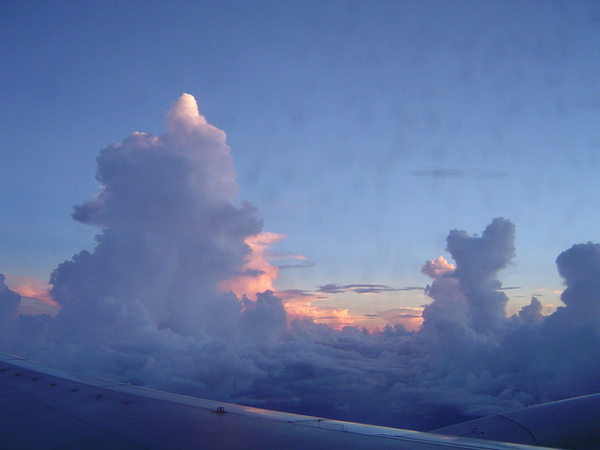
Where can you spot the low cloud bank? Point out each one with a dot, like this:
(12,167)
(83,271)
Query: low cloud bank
(147,306)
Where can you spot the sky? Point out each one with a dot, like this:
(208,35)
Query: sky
(363,132)
(271,172)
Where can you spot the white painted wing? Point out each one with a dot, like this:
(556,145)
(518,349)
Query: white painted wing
(44,408)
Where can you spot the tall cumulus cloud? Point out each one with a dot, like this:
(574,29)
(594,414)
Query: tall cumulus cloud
(150,305)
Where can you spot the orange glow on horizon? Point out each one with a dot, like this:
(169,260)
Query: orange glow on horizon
(410,318)
(31,288)
(258,275)
(300,305)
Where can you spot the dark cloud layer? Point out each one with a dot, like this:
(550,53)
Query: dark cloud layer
(145,306)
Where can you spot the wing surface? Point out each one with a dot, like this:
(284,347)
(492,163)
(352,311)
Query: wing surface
(572,423)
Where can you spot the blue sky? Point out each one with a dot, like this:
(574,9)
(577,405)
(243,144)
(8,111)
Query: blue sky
(363,131)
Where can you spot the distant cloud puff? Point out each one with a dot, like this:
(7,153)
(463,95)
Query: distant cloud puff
(437,267)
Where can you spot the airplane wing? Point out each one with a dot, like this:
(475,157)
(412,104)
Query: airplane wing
(44,408)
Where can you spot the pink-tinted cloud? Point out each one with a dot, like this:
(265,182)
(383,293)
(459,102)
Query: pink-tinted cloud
(437,267)
(257,275)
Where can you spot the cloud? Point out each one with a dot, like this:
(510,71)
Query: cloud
(264,318)
(171,298)
(302,265)
(467,314)
(334,288)
(532,313)
(478,260)
(256,275)
(439,173)
(437,267)
(580,268)
(407,318)
(272,255)
(303,305)
(172,231)
(9,301)
(458,173)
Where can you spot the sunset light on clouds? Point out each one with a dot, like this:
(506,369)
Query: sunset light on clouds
(31,288)
(257,274)
(370,211)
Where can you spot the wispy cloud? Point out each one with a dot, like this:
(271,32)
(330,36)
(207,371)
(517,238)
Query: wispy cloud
(272,255)
(334,288)
(458,173)
(409,318)
(302,265)
(439,173)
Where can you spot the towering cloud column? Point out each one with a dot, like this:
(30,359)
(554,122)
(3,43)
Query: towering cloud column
(467,302)
(171,232)
(478,261)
